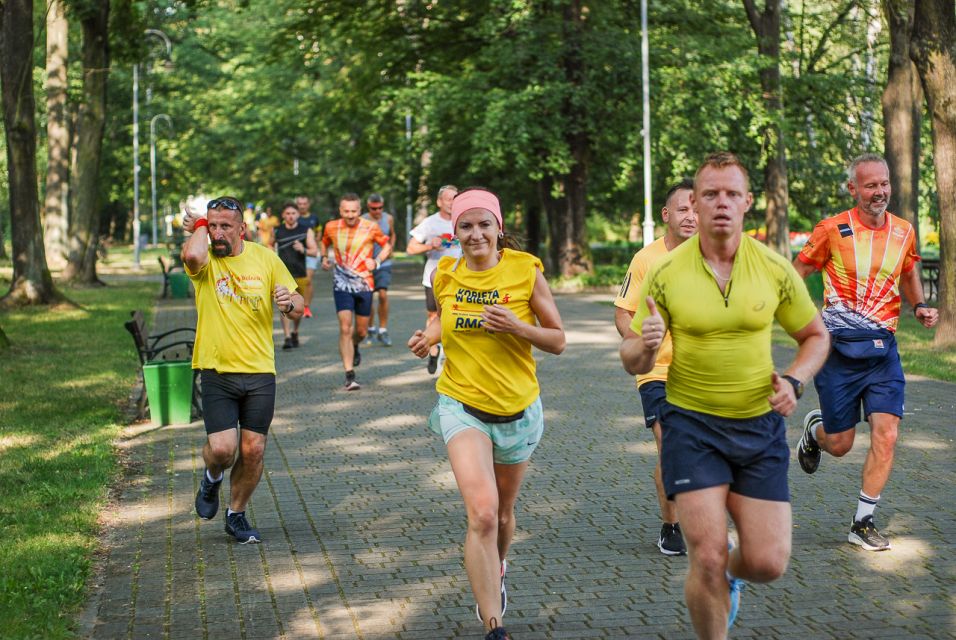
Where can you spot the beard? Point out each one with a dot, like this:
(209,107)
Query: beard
(221,248)
(877,207)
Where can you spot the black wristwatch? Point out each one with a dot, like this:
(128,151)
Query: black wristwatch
(292,308)
(797,386)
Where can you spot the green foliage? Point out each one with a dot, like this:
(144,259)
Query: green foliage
(64,383)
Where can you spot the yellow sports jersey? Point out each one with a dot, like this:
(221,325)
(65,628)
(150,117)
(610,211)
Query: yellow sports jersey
(234,305)
(627,299)
(722,363)
(494,372)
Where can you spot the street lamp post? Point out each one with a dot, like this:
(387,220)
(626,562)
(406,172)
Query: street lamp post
(156,33)
(646,81)
(152,163)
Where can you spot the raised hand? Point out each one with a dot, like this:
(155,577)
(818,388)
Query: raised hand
(653,329)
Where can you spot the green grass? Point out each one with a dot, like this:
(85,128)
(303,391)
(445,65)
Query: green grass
(63,389)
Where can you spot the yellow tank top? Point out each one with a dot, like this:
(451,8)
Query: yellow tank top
(494,372)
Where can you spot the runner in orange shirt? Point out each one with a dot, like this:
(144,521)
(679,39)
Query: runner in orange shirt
(867,256)
(352,238)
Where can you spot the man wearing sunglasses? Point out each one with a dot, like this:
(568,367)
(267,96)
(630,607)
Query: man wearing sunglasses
(236,282)
(383,274)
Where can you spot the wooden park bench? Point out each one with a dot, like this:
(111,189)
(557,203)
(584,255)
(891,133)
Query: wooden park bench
(931,278)
(160,347)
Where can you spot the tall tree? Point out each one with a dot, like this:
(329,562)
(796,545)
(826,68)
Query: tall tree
(934,51)
(55,202)
(766,26)
(85,221)
(902,110)
(32,283)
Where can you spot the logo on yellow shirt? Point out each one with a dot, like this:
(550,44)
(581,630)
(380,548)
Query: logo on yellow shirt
(226,289)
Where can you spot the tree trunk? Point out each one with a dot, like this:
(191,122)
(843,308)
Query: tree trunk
(32,283)
(85,221)
(902,112)
(533,226)
(766,27)
(55,214)
(565,196)
(934,50)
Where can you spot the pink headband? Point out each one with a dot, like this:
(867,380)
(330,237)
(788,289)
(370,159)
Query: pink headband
(475,199)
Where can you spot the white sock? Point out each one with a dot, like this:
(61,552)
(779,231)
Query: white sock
(211,479)
(865,506)
(229,511)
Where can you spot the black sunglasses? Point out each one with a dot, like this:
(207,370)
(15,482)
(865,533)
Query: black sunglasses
(228,203)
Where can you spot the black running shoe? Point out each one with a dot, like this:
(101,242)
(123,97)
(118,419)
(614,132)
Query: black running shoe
(287,344)
(671,540)
(350,383)
(239,528)
(497,633)
(865,534)
(295,338)
(207,499)
(356,357)
(808,451)
(433,361)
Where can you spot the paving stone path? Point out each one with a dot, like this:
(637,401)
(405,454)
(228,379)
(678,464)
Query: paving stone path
(363,524)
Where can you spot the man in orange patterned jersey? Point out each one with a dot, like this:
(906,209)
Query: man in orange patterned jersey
(352,281)
(868,256)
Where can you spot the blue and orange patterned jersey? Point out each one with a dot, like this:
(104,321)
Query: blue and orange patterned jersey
(861,269)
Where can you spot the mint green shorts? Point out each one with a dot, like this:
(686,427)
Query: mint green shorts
(512,442)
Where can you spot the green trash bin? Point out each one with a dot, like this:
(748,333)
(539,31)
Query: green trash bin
(169,388)
(179,285)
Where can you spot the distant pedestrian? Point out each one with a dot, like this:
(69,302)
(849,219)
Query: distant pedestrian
(492,306)
(236,282)
(867,256)
(294,243)
(309,221)
(352,239)
(680,222)
(724,447)
(436,238)
(382,275)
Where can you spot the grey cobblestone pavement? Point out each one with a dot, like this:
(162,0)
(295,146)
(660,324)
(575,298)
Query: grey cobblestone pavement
(363,523)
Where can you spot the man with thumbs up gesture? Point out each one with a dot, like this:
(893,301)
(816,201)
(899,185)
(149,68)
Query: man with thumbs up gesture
(724,447)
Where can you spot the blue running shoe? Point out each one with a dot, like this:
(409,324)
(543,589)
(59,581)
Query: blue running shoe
(207,498)
(237,525)
(736,586)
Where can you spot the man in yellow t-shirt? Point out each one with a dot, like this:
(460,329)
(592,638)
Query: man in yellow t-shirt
(236,282)
(680,223)
(724,446)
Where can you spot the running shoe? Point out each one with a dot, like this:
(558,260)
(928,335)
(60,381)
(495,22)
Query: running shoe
(295,338)
(370,337)
(498,633)
(865,534)
(207,498)
(504,592)
(736,586)
(351,384)
(239,528)
(433,361)
(671,540)
(287,344)
(307,313)
(384,338)
(356,357)
(808,451)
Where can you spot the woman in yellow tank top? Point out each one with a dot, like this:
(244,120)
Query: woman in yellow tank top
(494,305)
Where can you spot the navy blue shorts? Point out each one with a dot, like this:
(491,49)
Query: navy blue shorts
(383,277)
(699,450)
(246,400)
(846,386)
(358,302)
(652,397)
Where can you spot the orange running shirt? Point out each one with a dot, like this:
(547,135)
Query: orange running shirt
(861,269)
(352,246)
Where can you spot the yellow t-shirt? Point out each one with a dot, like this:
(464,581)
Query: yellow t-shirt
(722,362)
(494,372)
(234,305)
(627,299)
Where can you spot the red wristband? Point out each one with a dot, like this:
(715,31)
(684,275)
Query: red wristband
(202,222)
